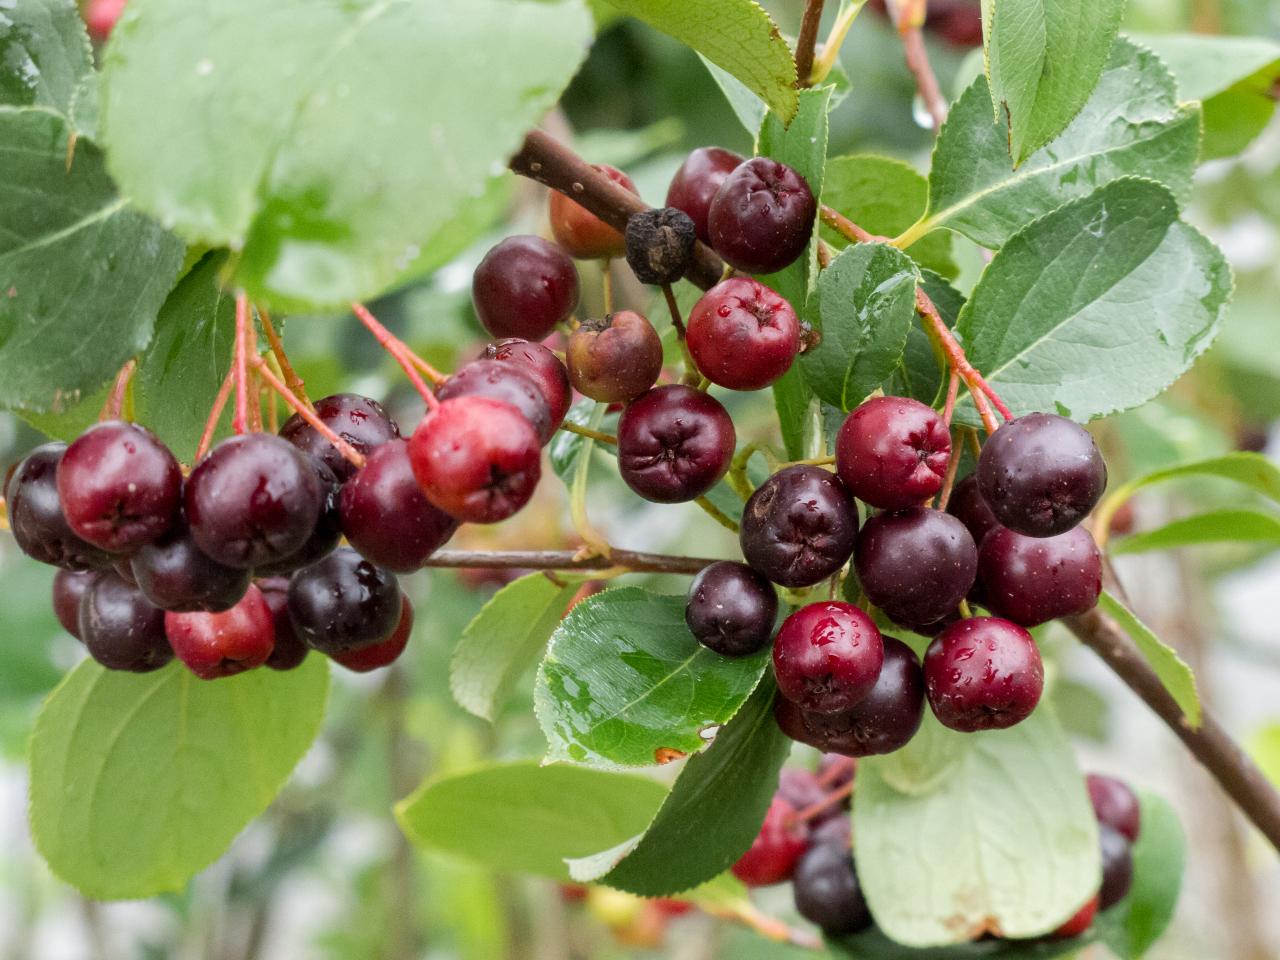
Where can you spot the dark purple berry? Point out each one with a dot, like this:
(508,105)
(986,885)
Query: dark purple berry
(523,287)
(343,602)
(358,420)
(762,216)
(983,673)
(1117,866)
(288,651)
(506,384)
(384,653)
(325,535)
(121,629)
(175,574)
(967,506)
(695,184)
(1115,804)
(543,366)
(69,586)
(731,609)
(35,514)
(827,656)
(799,526)
(892,452)
(1032,580)
(827,892)
(674,444)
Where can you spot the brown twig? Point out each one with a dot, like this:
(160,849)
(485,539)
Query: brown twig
(942,337)
(632,560)
(842,225)
(807,40)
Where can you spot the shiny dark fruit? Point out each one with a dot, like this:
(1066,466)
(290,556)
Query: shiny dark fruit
(742,335)
(827,656)
(506,384)
(801,789)
(523,287)
(1041,474)
(325,535)
(175,574)
(674,444)
(731,609)
(762,216)
(799,526)
(892,452)
(695,184)
(773,854)
(983,673)
(378,655)
(915,564)
(543,366)
(288,651)
(69,586)
(1115,804)
(343,602)
(584,235)
(1032,580)
(360,421)
(253,500)
(966,505)
(827,891)
(35,514)
(1117,866)
(222,644)
(385,515)
(120,628)
(120,487)
(660,244)
(615,359)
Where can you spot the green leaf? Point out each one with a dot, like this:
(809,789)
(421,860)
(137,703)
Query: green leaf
(1233,77)
(138,782)
(711,815)
(330,148)
(1002,840)
(624,683)
(1163,659)
(866,301)
(1132,125)
(1096,307)
(84,274)
(1133,926)
(528,818)
(736,35)
(189,356)
(746,106)
(884,196)
(1216,526)
(1252,470)
(44,55)
(504,640)
(920,375)
(1044,58)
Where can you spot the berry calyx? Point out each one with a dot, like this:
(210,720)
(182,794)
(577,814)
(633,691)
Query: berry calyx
(983,673)
(674,444)
(584,235)
(1041,474)
(731,609)
(222,644)
(288,651)
(35,514)
(1115,805)
(762,216)
(773,853)
(360,421)
(659,244)
(1032,580)
(915,564)
(343,602)
(523,287)
(543,366)
(827,656)
(742,335)
(175,574)
(377,655)
(385,515)
(506,384)
(477,459)
(799,526)
(69,587)
(1117,866)
(827,892)
(615,359)
(892,452)
(120,487)
(695,184)
(120,628)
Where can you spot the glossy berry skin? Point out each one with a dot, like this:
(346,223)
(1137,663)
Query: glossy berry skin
(1115,805)
(827,892)
(773,854)
(120,487)
(523,287)
(325,535)
(175,574)
(884,721)
(343,602)
(983,673)
(1117,866)
(214,645)
(731,609)
(584,235)
(1080,921)
(253,500)
(674,444)
(1032,580)
(100,17)
(35,514)
(506,384)
(799,526)
(288,651)
(762,216)
(827,656)
(1041,474)
(695,184)
(742,335)
(69,587)
(615,359)
(476,459)
(360,421)
(120,628)
(543,366)
(966,505)
(915,564)
(892,452)
(377,655)
(385,515)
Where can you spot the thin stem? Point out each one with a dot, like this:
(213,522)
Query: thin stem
(677,321)
(910,27)
(286,371)
(631,561)
(716,514)
(594,542)
(842,225)
(598,435)
(409,362)
(946,342)
(964,609)
(953,390)
(112,409)
(807,40)
(308,414)
(257,392)
(606,284)
(826,60)
(834,797)
(215,414)
(971,437)
(810,462)
(239,419)
(691,375)
(825,255)
(737,476)
(948,481)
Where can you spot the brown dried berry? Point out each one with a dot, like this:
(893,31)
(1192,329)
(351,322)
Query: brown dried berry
(660,244)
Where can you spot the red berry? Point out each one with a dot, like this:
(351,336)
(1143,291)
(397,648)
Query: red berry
(742,335)
(214,645)
(774,852)
(523,287)
(120,628)
(799,526)
(1032,580)
(175,574)
(827,657)
(358,420)
(344,602)
(731,609)
(1115,804)
(100,17)
(1080,921)
(615,359)
(543,366)
(376,655)
(762,216)
(892,452)
(695,184)
(289,651)
(506,384)
(983,673)
(476,459)
(674,444)
(69,587)
(35,514)
(580,231)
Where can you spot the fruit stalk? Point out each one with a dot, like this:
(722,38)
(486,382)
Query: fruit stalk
(112,409)
(945,341)
(806,41)
(409,361)
(307,413)
(910,22)
(215,414)
(240,418)
(289,375)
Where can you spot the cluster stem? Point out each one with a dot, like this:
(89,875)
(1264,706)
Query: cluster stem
(114,407)
(410,362)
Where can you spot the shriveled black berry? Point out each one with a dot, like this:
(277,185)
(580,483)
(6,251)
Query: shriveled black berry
(660,244)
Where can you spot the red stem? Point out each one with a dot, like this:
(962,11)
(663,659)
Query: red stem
(111,410)
(956,359)
(307,414)
(953,390)
(291,377)
(239,419)
(409,361)
(834,797)
(215,414)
